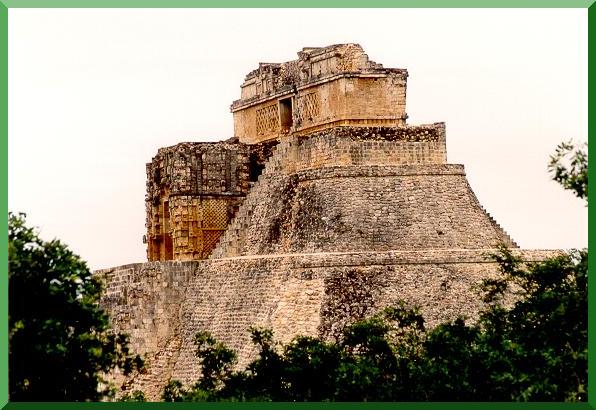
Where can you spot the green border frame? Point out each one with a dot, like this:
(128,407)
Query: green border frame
(300,406)
(6,4)
(4,204)
(591,220)
(298,4)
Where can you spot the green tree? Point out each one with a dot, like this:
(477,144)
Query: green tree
(535,350)
(569,167)
(135,396)
(310,369)
(362,366)
(540,345)
(60,343)
(174,391)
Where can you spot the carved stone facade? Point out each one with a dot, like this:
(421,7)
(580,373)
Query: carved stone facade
(324,208)
(193,191)
(325,87)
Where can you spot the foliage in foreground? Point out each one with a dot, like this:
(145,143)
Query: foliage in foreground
(535,350)
(134,396)
(60,344)
(569,167)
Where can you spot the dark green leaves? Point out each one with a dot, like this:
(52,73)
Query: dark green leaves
(60,343)
(531,349)
(569,167)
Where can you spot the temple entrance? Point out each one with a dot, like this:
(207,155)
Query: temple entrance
(285,114)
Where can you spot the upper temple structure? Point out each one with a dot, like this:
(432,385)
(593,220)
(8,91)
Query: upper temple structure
(326,87)
(321,209)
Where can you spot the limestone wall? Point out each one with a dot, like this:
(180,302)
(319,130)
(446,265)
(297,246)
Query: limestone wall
(345,146)
(351,189)
(163,304)
(314,64)
(144,300)
(368,207)
(343,101)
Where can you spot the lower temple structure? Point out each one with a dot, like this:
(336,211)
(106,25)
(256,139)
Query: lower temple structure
(323,208)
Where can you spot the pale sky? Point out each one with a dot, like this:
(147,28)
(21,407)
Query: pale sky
(93,93)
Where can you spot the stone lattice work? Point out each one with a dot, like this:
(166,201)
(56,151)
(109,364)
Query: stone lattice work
(197,222)
(308,108)
(267,119)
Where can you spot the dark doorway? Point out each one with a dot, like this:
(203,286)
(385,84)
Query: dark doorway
(285,114)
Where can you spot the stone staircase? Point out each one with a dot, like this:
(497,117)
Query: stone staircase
(283,162)
(508,240)
(279,163)
(499,228)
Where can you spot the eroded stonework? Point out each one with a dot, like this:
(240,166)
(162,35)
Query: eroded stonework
(324,87)
(322,209)
(193,191)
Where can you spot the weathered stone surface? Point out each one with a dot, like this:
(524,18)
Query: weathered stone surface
(163,304)
(326,86)
(311,218)
(327,193)
(193,190)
